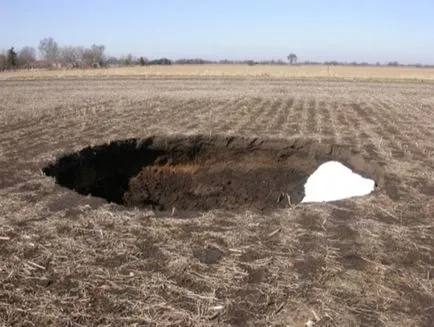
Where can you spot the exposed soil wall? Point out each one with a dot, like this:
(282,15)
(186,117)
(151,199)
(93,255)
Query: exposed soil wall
(199,173)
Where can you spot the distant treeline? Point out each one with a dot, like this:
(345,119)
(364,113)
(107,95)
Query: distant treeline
(51,55)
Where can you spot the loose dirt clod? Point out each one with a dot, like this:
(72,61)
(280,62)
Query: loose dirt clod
(199,173)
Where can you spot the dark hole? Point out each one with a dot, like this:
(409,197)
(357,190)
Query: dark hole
(199,173)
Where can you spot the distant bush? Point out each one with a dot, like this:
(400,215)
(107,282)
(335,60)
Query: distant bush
(161,61)
(331,63)
(393,64)
(193,61)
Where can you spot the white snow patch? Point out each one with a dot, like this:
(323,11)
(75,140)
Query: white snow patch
(333,181)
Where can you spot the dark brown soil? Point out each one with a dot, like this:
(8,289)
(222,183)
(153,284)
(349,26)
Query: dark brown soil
(199,173)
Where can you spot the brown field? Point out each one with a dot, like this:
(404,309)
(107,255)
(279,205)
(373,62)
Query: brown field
(72,260)
(237,71)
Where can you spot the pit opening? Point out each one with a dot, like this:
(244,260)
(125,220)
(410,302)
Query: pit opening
(200,173)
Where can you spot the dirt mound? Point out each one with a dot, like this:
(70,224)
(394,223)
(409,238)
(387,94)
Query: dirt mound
(199,173)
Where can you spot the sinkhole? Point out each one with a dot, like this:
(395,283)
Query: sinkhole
(201,173)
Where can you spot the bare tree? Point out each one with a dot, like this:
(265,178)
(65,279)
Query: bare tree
(27,56)
(72,55)
(393,64)
(112,61)
(292,58)
(127,60)
(49,49)
(94,56)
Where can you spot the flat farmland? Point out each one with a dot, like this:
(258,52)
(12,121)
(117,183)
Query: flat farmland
(309,72)
(73,260)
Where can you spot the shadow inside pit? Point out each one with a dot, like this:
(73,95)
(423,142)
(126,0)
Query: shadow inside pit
(200,173)
(103,171)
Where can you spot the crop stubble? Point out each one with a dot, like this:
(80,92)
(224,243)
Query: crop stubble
(68,259)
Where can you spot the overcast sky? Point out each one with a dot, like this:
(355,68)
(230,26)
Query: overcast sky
(315,30)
